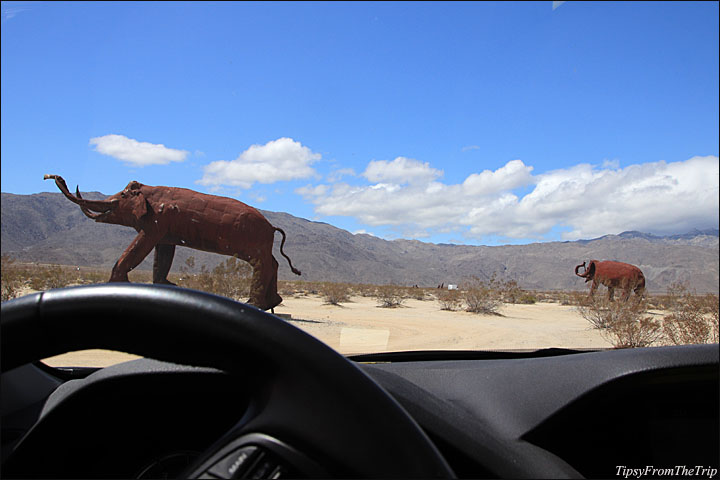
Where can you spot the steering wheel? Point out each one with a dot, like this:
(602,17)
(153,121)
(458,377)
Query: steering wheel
(312,411)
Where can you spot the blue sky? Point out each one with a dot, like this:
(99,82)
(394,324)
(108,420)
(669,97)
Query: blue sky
(478,123)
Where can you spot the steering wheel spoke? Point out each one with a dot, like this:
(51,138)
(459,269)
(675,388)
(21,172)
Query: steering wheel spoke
(257,455)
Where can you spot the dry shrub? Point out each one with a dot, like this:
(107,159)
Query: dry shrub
(524,298)
(365,290)
(658,302)
(141,276)
(416,293)
(45,277)
(93,276)
(692,319)
(483,296)
(510,291)
(286,288)
(299,287)
(450,300)
(572,298)
(11,281)
(41,277)
(390,296)
(230,278)
(548,297)
(335,293)
(625,324)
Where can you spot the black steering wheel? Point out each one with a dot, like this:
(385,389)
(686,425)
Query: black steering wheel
(312,411)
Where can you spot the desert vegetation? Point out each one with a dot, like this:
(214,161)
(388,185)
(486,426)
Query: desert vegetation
(230,278)
(677,316)
(624,324)
(688,319)
(18,278)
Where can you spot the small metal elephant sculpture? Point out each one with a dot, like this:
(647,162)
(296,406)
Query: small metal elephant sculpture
(613,275)
(167,216)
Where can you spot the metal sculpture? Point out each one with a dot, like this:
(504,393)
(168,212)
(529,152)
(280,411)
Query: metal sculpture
(165,217)
(613,275)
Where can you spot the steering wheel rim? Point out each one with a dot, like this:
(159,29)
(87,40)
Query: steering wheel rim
(358,428)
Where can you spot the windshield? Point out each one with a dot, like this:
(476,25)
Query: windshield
(387,176)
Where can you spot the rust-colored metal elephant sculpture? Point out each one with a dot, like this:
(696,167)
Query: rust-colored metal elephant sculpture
(613,275)
(168,216)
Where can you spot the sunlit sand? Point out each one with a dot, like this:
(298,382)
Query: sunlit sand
(361,326)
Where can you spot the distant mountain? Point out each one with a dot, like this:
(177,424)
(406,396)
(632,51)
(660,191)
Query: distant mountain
(707,238)
(47,228)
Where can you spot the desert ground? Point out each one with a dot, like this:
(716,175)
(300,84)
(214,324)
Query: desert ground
(361,326)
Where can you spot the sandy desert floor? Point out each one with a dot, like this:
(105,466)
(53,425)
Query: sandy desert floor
(361,326)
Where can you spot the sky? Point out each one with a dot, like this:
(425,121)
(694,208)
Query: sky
(476,123)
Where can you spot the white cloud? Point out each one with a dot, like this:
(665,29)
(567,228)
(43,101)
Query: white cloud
(588,200)
(401,170)
(513,175)
(136,153)
(278,160)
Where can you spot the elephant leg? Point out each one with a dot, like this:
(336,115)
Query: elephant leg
(263,286)
(626,291)
(611,293)
(271,295)
(164,254)
(133,255)
(593,287)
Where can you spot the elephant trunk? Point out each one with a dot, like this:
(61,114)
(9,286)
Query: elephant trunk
(581,274)
(102,206)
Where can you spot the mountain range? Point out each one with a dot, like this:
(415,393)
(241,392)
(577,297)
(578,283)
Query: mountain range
(47,228)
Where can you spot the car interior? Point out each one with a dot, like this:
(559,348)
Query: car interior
(226,390)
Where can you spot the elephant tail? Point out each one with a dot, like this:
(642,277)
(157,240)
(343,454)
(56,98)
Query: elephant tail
(294,270)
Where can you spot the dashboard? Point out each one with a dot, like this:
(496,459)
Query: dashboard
(587,414)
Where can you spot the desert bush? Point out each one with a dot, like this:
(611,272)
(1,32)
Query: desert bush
(573,298)
(230,278)
(525,298)
(335,293)
(482,296)
(510,291)
(692,319)
(390,296)
(287,288)
(140,276)
(416,293)
(92,276)
(364,290)
(312,288)
(295,288)
(625,324)
(43,277)
(11,278)
(547,297)
(449,300)
(658,302)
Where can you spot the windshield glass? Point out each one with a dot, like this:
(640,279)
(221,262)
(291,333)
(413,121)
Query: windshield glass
(386,176)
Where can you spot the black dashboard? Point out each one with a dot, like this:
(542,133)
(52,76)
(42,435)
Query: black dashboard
(586,414)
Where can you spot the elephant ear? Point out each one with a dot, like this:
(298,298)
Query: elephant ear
(591,268)
(137,199)
(139,206)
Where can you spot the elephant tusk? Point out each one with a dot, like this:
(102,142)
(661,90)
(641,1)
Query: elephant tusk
(102,206)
